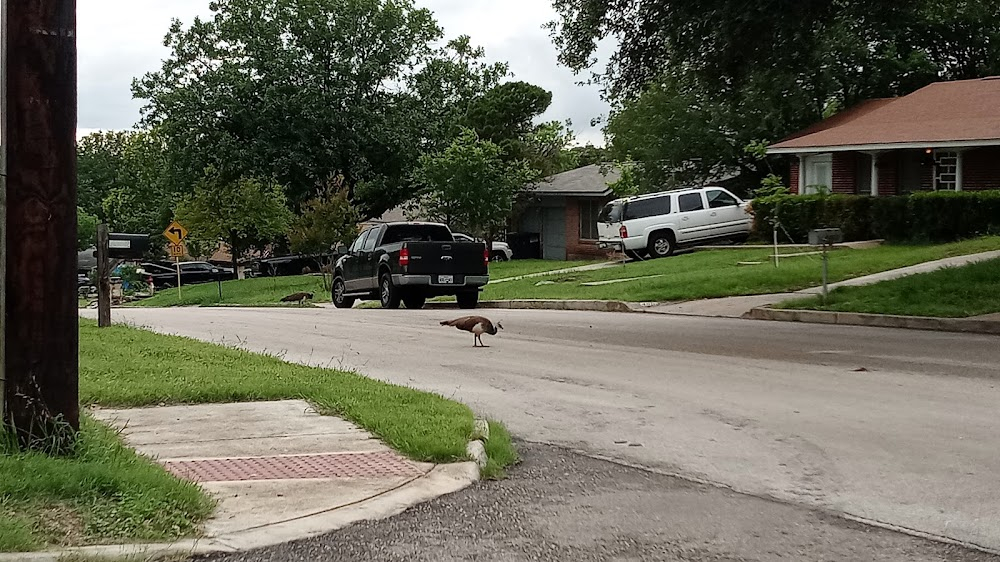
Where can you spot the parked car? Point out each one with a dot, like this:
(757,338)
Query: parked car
(293,265)
(501,251)
(409,262)
(192,273)
(659,223)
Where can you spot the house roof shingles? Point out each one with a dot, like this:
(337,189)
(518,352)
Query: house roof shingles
(587,181)
(957,112)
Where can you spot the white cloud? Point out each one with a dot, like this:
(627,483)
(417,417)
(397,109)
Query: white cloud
(123,39)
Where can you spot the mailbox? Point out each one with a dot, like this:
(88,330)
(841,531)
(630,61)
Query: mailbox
(127,246)
(825,236)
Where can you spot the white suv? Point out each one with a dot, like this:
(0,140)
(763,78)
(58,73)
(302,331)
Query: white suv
(659,223)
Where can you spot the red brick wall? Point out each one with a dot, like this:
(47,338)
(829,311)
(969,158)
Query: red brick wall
(577,249)
(888,172)
(845,166)
(981,169)
(793,175)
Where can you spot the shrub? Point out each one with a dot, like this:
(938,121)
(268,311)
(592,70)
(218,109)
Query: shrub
(940,216)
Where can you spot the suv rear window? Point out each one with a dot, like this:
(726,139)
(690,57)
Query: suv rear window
(647,208)
(417,233)
(612,212)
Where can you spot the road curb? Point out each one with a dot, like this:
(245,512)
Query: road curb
(959,325)
(533,304)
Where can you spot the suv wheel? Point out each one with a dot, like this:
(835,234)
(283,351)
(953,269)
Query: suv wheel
(388,294)
(661,245)
(468,299)
(339,291)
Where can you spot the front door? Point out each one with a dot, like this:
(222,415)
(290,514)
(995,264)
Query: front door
(351,264)
(554,233)
(727,215)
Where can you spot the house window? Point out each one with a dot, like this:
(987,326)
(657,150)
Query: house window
(589,211)
(819,173)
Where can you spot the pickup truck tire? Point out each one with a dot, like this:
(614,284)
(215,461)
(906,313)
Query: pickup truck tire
(414,302)
(661,245)
(498,257)
(339,289)
(388,294)
(468,299)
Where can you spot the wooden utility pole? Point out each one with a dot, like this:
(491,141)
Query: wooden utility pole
(103,278)
(41,340)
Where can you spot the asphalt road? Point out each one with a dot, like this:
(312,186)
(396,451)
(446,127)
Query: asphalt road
(562,507)
(900,427)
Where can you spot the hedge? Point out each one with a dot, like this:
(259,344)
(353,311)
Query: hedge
(938,216)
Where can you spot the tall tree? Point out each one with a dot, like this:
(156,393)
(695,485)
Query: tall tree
(761,70)
(472,185)
(326,219)
(505,115)
(124,180)
(244,213)
(302,90)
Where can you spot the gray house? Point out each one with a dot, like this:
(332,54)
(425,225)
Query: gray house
(559,219)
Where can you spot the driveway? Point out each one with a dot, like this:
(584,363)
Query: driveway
(899,427)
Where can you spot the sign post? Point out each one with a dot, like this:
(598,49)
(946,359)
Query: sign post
(825,237)
(176,233)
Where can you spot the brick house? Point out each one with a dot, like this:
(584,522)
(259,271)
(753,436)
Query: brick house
(561,214)
(945,136)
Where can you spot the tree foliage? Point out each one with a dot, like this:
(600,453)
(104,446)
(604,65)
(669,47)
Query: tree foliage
(86,229)
(548,148)
(327,219)
(245,213)
(124,181)
(302,90)
(712,76)
(472,185)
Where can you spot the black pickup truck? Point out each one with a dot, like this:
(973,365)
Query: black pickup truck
(408,262)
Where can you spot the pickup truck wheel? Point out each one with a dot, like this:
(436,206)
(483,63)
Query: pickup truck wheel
(499,256)
(414,302)
(468,299)
(661,245)
(339,290)
(388,294)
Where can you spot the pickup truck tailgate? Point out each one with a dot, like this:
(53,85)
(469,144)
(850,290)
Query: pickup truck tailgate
(449,258)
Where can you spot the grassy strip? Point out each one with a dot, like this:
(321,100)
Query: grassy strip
(105,492)
(717,273)
(248,292)
(126,367)
(954,292)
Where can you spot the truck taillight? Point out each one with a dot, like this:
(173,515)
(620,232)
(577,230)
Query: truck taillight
(486,256)
(404,257)
(623,231)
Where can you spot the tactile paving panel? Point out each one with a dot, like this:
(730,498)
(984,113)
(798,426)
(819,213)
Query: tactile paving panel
(339,465)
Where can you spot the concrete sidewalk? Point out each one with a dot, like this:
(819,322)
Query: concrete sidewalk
(279,470)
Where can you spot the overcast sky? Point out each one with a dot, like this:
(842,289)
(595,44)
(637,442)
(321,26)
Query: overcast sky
(123,39)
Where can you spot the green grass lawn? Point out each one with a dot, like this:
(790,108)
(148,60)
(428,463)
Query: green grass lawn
(258,291)
(107,492)
(517,268)
(716,273)
(954,292)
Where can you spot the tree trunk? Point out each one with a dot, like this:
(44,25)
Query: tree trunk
(234,252)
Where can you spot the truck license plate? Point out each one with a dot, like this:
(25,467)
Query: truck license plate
(446,279)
